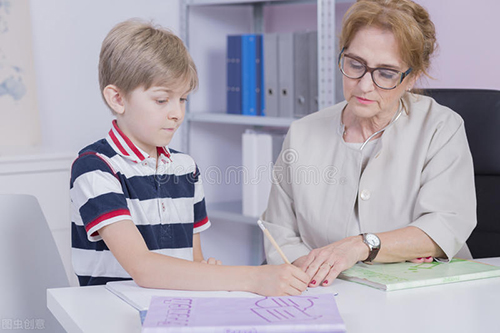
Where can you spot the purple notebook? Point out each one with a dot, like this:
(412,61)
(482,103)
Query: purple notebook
(309,314)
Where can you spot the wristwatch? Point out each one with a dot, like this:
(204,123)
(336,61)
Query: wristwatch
(373,243)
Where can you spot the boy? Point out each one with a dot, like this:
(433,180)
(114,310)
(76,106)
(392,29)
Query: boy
(138,206)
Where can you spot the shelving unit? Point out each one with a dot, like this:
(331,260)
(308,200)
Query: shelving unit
(223,118)
(224,128)
(231,211)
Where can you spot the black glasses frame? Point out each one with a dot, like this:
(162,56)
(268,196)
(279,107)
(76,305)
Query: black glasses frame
(371,70)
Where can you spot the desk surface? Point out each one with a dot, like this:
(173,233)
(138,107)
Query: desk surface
(470,306)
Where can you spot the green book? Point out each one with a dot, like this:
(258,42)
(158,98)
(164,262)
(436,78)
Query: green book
(404,275)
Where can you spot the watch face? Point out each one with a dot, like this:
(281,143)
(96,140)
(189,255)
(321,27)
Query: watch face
(372,240)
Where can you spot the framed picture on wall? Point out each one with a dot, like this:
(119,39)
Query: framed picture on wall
(19,121)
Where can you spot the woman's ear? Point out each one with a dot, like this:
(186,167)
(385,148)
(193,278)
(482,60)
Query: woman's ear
(114,98)
(412,81)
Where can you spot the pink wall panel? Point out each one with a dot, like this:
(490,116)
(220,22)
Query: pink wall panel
(468,34)
(469,43)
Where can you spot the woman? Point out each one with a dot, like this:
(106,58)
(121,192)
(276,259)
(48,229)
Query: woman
(384,176)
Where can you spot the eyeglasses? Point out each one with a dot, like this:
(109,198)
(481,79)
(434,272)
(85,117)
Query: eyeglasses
(384,78)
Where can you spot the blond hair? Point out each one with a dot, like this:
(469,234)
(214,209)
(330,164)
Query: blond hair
(409,22)
(136,54)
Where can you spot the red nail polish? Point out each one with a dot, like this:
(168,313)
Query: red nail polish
(313,282)
(419,258)
(428,257)
(325,282)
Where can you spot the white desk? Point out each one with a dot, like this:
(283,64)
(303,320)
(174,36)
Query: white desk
(471,306)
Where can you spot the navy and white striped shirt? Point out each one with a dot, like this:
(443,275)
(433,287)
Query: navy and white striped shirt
(114,180)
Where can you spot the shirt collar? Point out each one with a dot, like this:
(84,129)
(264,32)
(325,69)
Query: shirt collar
(125,147)
(163,151)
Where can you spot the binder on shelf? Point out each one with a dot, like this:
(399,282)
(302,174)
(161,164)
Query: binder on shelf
(260,151)
(259,76)
(312,41)
(234,101)
(297,74)
(286,75)
(272,74)
(248,71)
(271,90)
(300,74)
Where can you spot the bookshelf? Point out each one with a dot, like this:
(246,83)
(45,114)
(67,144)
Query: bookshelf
(231,211)
(210,135)
(223,118)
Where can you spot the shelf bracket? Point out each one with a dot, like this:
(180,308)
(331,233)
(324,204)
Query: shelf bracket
(326,53)
(258,18)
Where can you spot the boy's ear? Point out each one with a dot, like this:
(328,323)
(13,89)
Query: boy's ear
(114,98)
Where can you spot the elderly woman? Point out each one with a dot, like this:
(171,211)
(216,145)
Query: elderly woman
(387,174)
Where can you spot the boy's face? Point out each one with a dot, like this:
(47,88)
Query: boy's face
(151,117)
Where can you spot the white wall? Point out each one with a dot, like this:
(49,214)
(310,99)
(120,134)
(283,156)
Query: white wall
(67,39)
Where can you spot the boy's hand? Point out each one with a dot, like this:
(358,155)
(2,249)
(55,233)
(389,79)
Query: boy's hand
(282,280)
(211,261)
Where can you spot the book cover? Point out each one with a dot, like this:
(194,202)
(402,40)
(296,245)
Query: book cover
(309,314)
(140,298)
(404,275)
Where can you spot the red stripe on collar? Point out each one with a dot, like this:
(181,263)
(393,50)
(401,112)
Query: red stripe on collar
(129,143)
(164,151)
(117,143)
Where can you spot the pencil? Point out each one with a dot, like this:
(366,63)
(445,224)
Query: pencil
(271,239)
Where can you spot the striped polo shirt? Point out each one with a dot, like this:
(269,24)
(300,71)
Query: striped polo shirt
(114,180)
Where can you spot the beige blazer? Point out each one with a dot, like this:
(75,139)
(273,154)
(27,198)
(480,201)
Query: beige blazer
(420,174)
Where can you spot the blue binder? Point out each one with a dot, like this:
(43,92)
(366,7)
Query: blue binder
(234,101)
(248,74)
(260,89)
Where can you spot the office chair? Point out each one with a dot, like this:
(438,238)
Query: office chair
(480,110)
(30,264)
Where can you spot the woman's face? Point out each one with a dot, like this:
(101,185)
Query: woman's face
(375,48)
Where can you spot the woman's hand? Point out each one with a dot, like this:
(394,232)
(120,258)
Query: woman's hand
(211,261)
(421,260)
(279,280)
(324,264)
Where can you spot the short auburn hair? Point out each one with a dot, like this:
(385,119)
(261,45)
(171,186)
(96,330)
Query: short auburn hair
(409,22)
(136,53)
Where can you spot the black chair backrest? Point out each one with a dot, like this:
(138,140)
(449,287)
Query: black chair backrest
(480,110)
